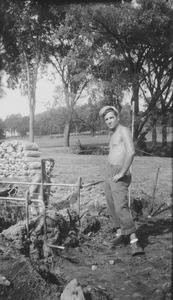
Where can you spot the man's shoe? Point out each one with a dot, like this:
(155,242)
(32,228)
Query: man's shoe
(118,240)
(136,249)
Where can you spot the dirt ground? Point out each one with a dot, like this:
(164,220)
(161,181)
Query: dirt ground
(102,272)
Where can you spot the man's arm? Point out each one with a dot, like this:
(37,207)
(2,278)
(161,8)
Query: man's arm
(53,188)
(130,152)
(34,188)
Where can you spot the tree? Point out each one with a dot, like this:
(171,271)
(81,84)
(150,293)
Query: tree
(17,123)
(111,71)
(70,53)
(158,82)
(12,123)
(29,27)
(87,117)
(132,35)
(5,37)
(50,122)
(2,128)
(23,128)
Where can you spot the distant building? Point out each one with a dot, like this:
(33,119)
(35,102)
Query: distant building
(11,133)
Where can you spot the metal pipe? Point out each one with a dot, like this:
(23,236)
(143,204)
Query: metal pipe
(21,199)
(55,184)
(55,246)
(32,183)
(90,184)
(42,194)
(12,199)
(27,212)
(133,121)
(79,187)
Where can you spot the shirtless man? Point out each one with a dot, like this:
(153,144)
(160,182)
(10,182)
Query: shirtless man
(118,178)
(35,190)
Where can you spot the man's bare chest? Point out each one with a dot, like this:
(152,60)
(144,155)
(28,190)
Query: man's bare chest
(116,140)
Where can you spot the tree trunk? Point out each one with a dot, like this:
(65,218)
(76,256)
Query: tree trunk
(92,132)
(135,98)
(154,134)
(164,131)
(31,125)
(67,134)
(31,83)
(32,103)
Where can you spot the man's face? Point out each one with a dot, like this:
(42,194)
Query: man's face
(49,167)
(111,120)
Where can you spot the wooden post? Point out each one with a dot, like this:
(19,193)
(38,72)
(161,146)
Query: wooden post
(27,198)
(154,190)
(133,121)
(133,117)
(42,194)
(79,187)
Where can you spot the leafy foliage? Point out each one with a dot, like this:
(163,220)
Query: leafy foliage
(17,123)
(136,40)
(2,127)
(125,45)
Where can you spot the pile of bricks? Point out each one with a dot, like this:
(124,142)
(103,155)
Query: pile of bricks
(19,159)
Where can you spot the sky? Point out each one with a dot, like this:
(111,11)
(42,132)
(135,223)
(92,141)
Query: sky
(14,103)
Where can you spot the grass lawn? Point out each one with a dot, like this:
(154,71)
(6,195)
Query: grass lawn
(102,140)
(92,167)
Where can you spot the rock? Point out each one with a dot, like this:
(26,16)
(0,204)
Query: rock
(58,232)
(14,231)
(94,267)
(157,292)
(167,286)
(112,262)
(17,158)
(169,203)
(137,296)
(118,260)
(72,291)
(4,281)
(46,250)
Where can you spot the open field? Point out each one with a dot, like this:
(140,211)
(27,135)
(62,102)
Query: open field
(90,140)
(86,139)
(146,277)
(91,167)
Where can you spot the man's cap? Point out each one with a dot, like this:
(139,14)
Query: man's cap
(108,107)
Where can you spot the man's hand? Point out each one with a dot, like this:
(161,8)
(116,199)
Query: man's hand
(53,189)
(117,177)
(31,196)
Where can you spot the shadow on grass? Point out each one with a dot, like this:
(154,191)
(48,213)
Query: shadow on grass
(154,227)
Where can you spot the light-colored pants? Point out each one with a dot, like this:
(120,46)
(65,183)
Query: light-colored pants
(37,208)
(116,198)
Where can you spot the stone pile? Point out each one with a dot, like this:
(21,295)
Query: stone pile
(19,159)
(72,291)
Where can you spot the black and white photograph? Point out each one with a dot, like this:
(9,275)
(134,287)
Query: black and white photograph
(86,147)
